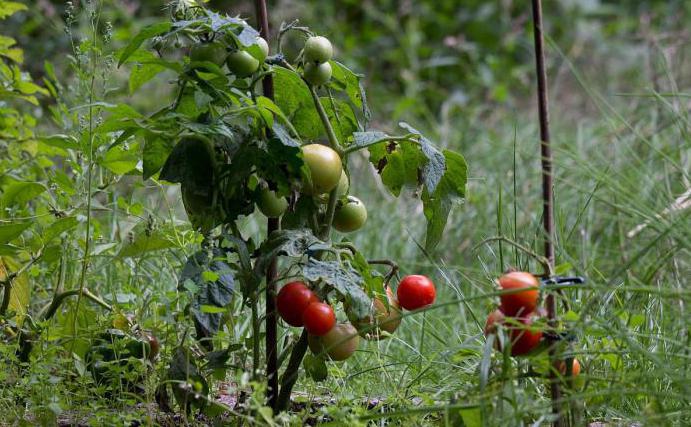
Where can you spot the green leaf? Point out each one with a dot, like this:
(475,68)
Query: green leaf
(9,232)
(156,151)
(344,79)
(9,8)
(315,367)
(433,170)
(20,295)
(293,97)
(144,243)
(67,142)
(58,227)
(19,193)
(342,277)
(451,190)
(190,388)
(215,282)
(142,73)
(121,159)
(145,34)
(341,117)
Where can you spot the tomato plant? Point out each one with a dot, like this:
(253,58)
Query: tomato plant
(522,302)
(416,291)
(279,136)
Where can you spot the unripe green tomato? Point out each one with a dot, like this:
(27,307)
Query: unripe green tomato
(263,48)
(241,63)
(271,205)
(325,168)
(318,50)
(351,216)
(339,343)
(210,52)
(317,75)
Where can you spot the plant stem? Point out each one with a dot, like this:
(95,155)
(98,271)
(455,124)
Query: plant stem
(290,376)
(273,224)
(89,175)
(330,133)
(547,194)
(59,298)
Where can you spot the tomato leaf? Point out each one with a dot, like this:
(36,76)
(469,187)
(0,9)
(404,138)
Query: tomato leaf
(21,192)
(293,97)
(215,282)
(344,279)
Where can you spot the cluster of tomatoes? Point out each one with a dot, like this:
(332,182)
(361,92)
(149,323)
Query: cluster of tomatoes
(300,306)
(519,314)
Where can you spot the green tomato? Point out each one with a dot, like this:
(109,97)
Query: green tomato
(339,343)
(317,75)
(242,64)
(271,205)
(209,52)
(325,168)
(318,50)
(351,216)
(263,48)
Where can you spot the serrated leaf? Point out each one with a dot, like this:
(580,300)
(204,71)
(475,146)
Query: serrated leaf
(344,279)
(145,34)
(433,170)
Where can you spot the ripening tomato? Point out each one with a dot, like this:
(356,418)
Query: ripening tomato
(524,336)
(339,343)
(325,168)
(518,303)
(319,318)
(415,291)
(292,300)
(383,318)
(575,368)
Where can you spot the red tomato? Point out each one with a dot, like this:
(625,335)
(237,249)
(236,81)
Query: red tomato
(319,318)
(415,291)
(523,337)
(518,303)
(292,300)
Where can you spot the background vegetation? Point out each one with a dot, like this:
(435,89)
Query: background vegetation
(620,80)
